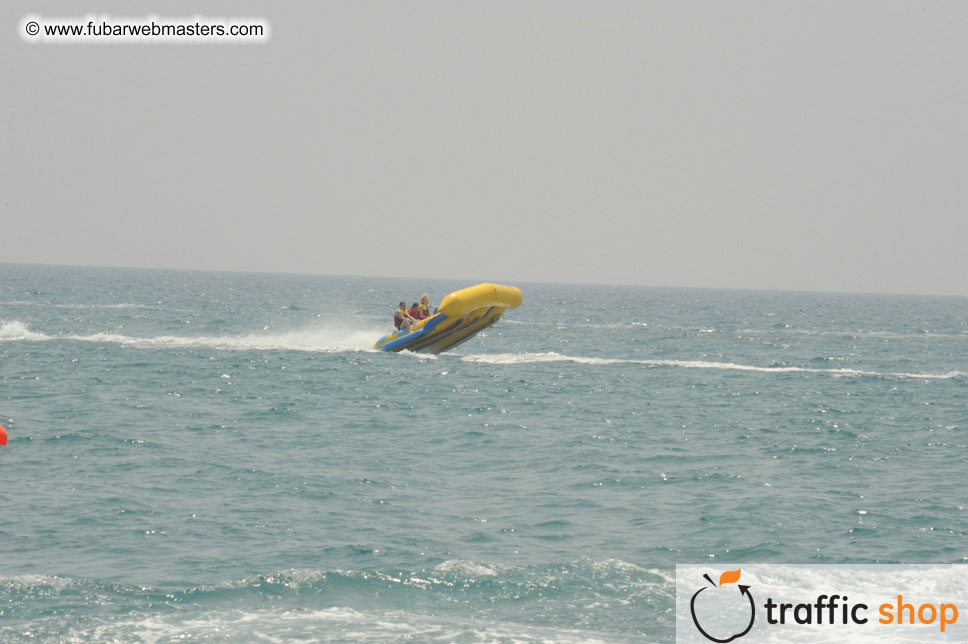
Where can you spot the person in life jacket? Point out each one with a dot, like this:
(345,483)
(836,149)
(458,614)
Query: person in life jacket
(413,311)
(423,310)
(402,317)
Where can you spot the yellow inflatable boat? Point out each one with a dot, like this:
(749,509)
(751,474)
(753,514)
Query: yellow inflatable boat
(462,314)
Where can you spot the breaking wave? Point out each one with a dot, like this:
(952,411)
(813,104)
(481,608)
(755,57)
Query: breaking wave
(430,604)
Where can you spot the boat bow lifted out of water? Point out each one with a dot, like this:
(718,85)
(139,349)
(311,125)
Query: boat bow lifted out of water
(462,314)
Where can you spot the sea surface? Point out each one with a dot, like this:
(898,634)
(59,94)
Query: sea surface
(220,457)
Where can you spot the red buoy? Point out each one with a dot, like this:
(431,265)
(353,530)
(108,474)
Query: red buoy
(3,436)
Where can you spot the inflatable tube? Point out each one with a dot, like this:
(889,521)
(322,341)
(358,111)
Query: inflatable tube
(468,299)
(462,314)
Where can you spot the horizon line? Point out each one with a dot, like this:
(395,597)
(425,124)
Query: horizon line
(478,280)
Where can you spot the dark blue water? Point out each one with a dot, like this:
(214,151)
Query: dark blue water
(218,457)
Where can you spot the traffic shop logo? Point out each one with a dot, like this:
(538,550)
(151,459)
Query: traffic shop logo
(724,595)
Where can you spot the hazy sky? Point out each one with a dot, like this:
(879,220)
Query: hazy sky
(794,145)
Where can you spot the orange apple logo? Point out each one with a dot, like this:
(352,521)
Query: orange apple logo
(728,577)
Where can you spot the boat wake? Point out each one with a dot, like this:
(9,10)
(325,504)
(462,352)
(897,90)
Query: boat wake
(345,338)
(531,358)
(326,339)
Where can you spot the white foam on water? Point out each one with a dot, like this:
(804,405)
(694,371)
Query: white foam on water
(419,356)
(24,583)
(531,358)
(469,568)
(17,330)
(310,339)
(113,305)
(611,564)
(336,623)
(325,339)
(342,338)
(119,305)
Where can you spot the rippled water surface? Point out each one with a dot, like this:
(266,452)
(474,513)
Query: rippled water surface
(220,457)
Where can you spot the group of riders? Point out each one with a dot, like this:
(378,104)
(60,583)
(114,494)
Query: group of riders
(403,317)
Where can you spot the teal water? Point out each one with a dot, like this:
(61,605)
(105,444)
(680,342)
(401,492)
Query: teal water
(218,457)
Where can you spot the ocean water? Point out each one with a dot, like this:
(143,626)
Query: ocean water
(219,457)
